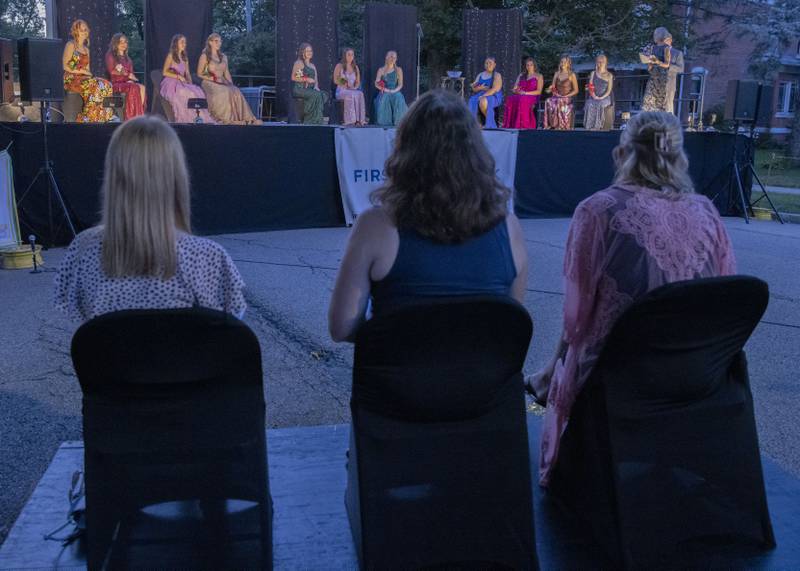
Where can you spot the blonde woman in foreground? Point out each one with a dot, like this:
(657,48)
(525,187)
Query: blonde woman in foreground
(646,230)
(142,255)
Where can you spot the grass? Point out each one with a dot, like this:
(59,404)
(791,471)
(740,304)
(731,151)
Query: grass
(782,202)
(785,171)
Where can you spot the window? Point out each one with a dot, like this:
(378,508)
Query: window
(787,98)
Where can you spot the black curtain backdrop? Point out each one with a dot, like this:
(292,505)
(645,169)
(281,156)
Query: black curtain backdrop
(551,183)
(275,178)
(389,27)
(100,15)
(165,18)
(496,33)
(296,185)
(312,21)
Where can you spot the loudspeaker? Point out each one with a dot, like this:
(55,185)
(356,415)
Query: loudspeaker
(41,75)
(7,70)
(745,99)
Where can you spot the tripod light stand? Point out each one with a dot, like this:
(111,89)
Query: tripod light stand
(46,171)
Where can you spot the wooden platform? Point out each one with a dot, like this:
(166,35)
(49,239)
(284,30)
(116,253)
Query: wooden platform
(307,479)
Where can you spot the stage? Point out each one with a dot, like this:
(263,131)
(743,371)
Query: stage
(279,177)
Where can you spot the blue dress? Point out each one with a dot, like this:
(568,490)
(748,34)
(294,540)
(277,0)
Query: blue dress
(424,269)
(492,101)
(390,107)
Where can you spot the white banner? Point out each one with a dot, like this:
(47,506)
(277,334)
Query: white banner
(9,223)
(362,153)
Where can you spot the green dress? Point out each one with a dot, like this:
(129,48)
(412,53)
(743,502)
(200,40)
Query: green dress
(390,107)
(313,99)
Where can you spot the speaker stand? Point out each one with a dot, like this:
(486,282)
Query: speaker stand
(738,167)
(46,171)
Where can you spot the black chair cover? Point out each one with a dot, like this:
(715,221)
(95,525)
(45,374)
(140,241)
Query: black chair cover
(439,471)
(660,457)
(174,434)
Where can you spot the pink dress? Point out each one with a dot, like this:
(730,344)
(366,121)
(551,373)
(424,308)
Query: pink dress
(623,242)
(179,93)
(521,109)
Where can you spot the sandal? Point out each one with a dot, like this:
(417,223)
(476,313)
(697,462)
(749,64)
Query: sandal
(531,391)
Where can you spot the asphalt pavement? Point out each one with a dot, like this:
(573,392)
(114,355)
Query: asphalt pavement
(289,277)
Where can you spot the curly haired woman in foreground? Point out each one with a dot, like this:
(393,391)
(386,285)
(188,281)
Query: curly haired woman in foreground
(441,227)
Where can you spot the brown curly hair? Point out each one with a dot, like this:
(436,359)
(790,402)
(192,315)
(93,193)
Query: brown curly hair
(441,178)
(113,48)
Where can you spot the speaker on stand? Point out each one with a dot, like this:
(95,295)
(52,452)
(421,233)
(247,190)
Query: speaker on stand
(748,102)
(41,79)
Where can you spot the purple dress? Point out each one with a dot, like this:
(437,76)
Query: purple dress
(178,94)
(354,107)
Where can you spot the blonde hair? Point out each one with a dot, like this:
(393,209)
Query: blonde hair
(76,27)
(650,154)
(145,199)
(207,49)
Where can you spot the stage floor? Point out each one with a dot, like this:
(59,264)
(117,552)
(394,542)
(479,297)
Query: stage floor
(310,529)
(249,179)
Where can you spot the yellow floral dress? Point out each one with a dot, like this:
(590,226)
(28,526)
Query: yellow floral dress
(91,89)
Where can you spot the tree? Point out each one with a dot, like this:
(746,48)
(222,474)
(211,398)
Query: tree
(771,27)
(617,28)
(20,18)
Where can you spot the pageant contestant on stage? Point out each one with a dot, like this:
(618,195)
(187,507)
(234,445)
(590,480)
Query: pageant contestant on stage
(347,77)
(120,70)
(521,104)
(488,93)
(655,92)
(177,87)
(390,105)
(78,76)
(306,87)
(225,102)
(598,94)
(558,109)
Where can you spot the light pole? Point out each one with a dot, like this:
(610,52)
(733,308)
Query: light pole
(420,35)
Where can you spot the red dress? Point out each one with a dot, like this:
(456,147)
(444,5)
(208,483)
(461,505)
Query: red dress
(119,74)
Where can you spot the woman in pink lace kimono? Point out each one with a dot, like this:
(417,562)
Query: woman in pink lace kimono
(646,230)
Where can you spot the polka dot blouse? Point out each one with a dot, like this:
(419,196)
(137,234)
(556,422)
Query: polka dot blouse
(206,277)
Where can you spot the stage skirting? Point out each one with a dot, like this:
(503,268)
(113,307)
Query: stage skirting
(248,179)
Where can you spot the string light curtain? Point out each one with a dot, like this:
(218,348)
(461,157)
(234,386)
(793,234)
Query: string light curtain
(389,27)
(496,33)
(165,18)
(100,15)
(312,21)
